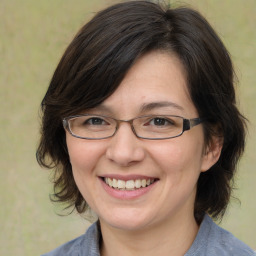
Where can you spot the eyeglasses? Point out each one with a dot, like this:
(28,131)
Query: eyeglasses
(151,127)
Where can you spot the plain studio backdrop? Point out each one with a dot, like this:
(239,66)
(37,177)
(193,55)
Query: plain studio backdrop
(33,36)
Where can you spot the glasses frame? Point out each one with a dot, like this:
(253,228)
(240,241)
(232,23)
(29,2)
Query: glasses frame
(188,124)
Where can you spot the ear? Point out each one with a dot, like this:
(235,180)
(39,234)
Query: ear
(212,153)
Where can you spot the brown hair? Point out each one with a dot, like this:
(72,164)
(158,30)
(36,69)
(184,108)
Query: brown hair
(97,60)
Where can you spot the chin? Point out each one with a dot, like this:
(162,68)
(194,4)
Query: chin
(126,221)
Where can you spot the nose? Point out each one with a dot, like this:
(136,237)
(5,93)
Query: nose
(125,148)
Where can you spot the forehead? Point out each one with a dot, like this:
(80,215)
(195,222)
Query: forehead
(157,81)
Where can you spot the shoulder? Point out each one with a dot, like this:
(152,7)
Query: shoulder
(213,240)
(225,241)
(87,244)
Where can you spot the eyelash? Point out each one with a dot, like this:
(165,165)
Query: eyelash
(166,121)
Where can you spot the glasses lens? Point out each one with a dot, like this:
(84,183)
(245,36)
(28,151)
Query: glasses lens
(158,127)
(92,126)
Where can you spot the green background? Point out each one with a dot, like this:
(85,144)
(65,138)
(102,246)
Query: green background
(33,36)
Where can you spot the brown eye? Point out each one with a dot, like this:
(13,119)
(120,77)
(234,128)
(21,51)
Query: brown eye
(95,121)
(160,121)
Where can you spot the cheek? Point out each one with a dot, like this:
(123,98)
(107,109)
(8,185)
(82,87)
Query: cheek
(179,158)
(84,157)
(168,157)
(83,154)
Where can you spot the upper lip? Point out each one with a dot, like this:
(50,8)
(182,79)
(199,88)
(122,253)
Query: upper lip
(128,177)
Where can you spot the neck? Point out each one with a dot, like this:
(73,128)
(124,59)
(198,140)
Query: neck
(170,238)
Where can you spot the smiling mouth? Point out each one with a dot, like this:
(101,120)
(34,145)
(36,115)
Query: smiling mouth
(129,184)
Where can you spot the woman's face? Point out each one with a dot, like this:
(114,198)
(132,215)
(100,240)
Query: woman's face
(156,84)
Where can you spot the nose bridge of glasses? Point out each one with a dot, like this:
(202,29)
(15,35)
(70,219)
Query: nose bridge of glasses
(130,122)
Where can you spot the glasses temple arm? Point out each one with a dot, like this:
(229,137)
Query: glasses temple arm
(189,123)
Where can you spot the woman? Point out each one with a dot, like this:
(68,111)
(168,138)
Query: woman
(140,124)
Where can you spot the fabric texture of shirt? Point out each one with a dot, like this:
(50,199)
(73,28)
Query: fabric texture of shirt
(211,240)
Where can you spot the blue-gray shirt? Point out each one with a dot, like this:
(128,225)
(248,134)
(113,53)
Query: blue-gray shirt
(211,240)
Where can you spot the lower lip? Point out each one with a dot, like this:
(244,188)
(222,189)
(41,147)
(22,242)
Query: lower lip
(127,194)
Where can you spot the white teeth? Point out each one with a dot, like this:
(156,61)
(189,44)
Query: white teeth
(120,184)
(137,183)
(129,184)
(114,184)
(110,182)
(143,183)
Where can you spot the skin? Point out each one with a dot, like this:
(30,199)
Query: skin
(160,221)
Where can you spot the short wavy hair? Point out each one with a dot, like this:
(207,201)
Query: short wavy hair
(97,60)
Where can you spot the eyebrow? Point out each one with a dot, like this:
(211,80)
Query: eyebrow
(161,104)
(146,107)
